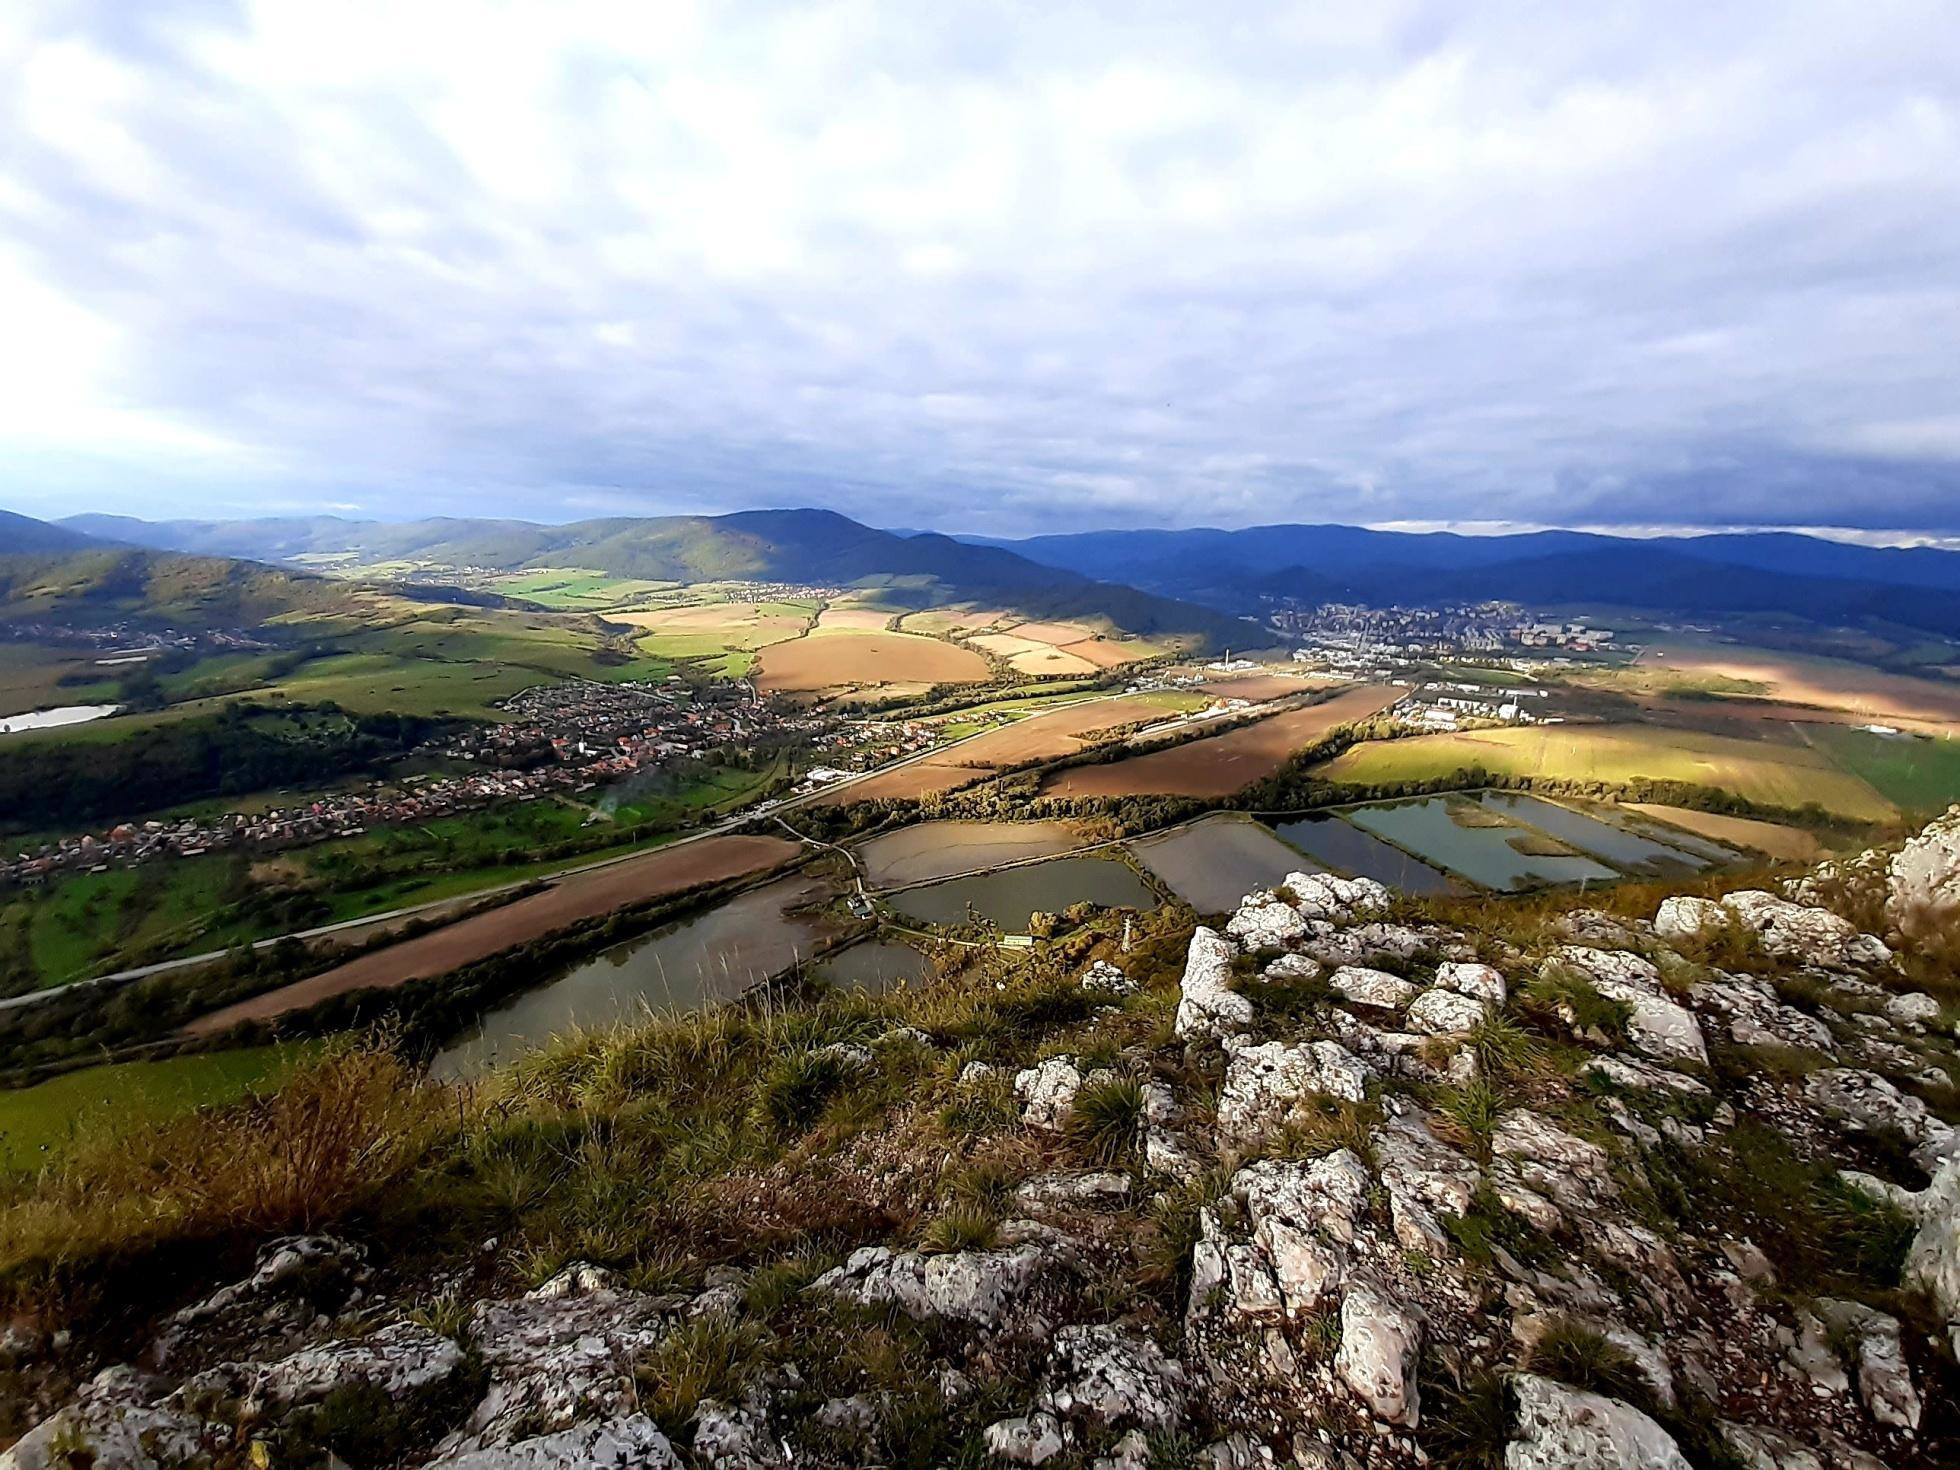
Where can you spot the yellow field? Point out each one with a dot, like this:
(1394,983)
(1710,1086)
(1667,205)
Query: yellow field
(1774,774)
(1769,838)
(832,659)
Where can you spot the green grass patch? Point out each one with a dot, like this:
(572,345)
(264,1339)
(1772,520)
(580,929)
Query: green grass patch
(1921,774)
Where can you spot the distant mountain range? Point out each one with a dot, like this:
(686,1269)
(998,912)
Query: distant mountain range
(1201,582)
(1771,572)
(804,546)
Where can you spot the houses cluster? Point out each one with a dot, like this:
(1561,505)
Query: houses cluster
(1439,705)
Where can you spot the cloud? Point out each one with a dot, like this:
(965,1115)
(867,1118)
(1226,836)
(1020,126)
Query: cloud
(985,269)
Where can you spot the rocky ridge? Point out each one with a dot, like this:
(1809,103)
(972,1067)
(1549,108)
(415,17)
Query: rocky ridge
(1658,1190)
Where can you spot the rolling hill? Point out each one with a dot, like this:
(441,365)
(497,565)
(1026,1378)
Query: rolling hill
(815,546)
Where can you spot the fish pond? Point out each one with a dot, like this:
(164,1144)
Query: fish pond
(873,965)
(1338,844)
(1456,833)
(713,957)
(1622,847)
(1005,899)
(1213,863)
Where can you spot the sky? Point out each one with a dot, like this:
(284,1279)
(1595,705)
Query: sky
(1004,268)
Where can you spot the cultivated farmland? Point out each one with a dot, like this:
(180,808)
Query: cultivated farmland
(1219,765)
(834,660)
(1773,773)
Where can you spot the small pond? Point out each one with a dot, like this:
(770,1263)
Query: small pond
(1345,847)
(715,956)
(1485,854)
(873,965)
(1006,899)
(1214,863)
(1617,845)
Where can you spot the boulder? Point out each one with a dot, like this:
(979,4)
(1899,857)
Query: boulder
(402,1361)
(1264,1083)
(1265,921)
(983,1288)
(1032,1439)
(115,1423)
(1380,1341)
(1480,982)
(1362,986)
(1806,935)
(1884,1381)
(1442,1012)
(1755,1016)
(1047,1092)
(1865,1102)
(1304,1217)
(735,1437)
(1325,896)
(1425,1178)
(1561,1428)
(1915,1010)
(1686,918)
(1922,883)
(1103,978)
(1207,1004)
(1539,1171)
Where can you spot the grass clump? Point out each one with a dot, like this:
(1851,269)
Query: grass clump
(962,1228)
(1575,1353)
(1560,993)
(708,1357)
(1105,1124)
(795,1090)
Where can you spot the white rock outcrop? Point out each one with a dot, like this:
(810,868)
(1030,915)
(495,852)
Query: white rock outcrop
(1561,1428)
(1362,986)
(1807,935)
(1207,1004)
(1922,883)
(1047,1092)
(1264,1083)
(1380,1341)
(983,1288)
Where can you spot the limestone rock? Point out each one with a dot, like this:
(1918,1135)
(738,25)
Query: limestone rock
(1304,1218)
(1264,1083)
(1073,1190)
(1325,896)
(1103,978)
(1755,1016)
(1539,1171)
(1561,1428)
(1380,1341)
(1047,1092)
(1810,936)
(1208,1005)
(1686,918)
(1866,1102)
(1265,921)
(1884,1381)
(1108,1377)
(979,1287)
(629,1443)
(1365,987)
(1915,1010)
(1033,1439)
(1425,1178)
(1479,982)
(1442,1012)
(1922,884)
(115,1423)
(400,1361)
(283,1264)
(735,1438)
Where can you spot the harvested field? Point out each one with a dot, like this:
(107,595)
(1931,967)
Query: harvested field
(830,660)
(1219,765)
(953,620)
(1769,838)
(580,896)
(943,849)
(1259,687)
(1107,653)
(1038,737)
(859,619)
(1051,662)
(1008,645)
(1775,773)
(686,631)
(1831,684)
(1059,635)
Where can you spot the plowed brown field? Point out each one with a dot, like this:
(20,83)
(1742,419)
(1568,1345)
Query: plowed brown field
(581,896)
(1219,765)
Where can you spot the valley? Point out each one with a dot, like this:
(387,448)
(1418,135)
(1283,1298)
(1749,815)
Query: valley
(372,785)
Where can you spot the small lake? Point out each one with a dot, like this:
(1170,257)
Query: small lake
(1617,845)
(1484,854)
(1214,863)
(715,956)
(1006,899)
(54,719)
(1346,848)
(874,965)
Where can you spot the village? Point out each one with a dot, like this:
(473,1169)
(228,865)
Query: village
(566,740)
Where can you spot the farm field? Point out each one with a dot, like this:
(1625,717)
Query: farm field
(827,660)
(580,896)
(575,589)
(1039,736)
(1918,773)
(1219,765)
(853,619)
(35,1122)
(31,675)
(1772,839)
(1872,695)
(942,849)
(1773,773)
(1257,687)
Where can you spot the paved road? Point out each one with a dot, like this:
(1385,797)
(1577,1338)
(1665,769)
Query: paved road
(410,911)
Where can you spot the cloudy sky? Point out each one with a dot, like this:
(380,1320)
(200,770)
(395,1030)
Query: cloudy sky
(1003,267)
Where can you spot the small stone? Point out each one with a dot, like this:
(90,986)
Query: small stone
(1445,1013)
(1032,1440)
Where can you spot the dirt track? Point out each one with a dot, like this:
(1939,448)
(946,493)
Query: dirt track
(581,896)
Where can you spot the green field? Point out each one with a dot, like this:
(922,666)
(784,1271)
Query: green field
(91,923)
(36,1121)
(575,589)
(1773,774)
(1921,775)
